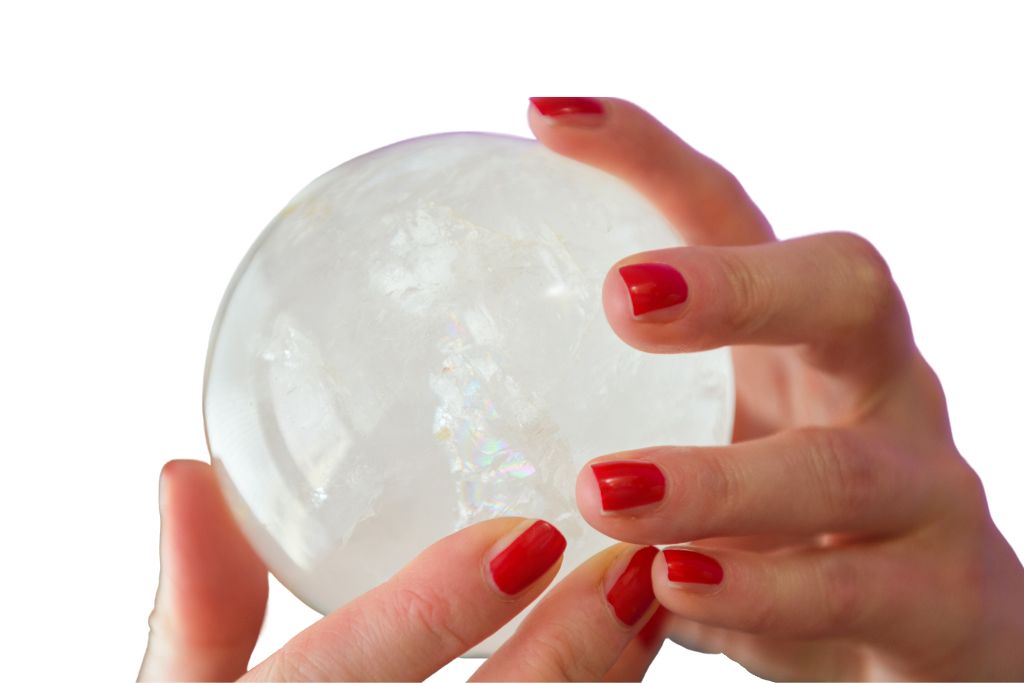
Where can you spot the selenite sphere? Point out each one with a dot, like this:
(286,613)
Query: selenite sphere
(417,343)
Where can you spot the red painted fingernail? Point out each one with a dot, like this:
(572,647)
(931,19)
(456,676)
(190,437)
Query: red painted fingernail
(686,566)
(653,286)
(561,106)
(527,558)
(628,484)
(632,594)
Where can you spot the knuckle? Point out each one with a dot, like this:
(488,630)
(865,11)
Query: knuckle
(842,471)
(868,274)
(762,616)
(719,496)
(968,487)
(964,500)
(747,291)
(961,533)
(432,614)
(728,188)
(719,191)
(693,635)
(841,598)
(550,657)
(725,180)
(293,663)
(930,404)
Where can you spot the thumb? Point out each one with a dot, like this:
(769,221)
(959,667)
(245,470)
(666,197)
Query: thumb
(213,588)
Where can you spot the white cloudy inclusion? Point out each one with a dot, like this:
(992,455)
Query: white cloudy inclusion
(417,343)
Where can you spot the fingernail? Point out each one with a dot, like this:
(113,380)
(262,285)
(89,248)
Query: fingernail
(686,566)
(527,558)
(628,484)
(632,594)
(653,286)
(585,110)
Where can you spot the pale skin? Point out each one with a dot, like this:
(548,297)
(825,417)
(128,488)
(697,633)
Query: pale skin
(855,541)
(213,591)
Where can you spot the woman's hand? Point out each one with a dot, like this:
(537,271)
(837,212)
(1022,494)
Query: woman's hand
(842,535)
(213,592)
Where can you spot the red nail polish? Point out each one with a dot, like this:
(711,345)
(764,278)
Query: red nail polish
(653,286)
(686,566)
(632,593)
(527,558)
(560,106)
(628,484)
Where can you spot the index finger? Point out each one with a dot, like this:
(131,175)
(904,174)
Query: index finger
(453,595)
(705,202)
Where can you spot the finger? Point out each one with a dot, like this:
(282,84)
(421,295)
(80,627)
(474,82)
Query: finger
(808,594)
(770,657)
(703,200)
(794,483)
(213,588)
(582,627)
(456,593)
(757,542)
(638,656)
(832,292)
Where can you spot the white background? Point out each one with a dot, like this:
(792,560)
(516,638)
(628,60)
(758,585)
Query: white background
(144,146)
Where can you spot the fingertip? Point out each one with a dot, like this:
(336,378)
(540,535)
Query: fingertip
(170,470)
(658,301)
(621,295)
(659,573)
(170,474)
(617,306)
(588,497)
(641,332)
(567,125)
(186,478)
(183,468)
(212,587)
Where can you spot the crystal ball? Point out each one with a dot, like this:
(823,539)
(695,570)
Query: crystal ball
(417,342)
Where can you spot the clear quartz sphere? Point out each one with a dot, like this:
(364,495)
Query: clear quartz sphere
(417,343)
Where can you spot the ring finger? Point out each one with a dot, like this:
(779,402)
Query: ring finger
(799,482)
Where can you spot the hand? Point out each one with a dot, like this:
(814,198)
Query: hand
(213,592)
(842,535)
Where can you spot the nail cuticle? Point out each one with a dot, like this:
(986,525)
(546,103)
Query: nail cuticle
(701,589)
(495,550)
(662,315)
(638,512)
(610,577)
